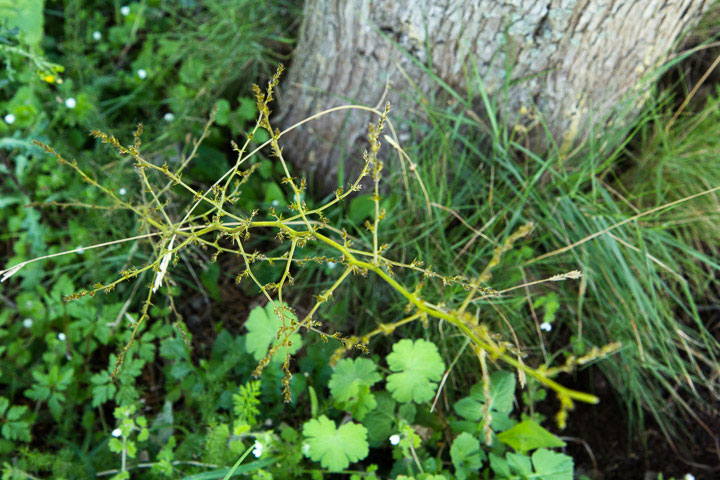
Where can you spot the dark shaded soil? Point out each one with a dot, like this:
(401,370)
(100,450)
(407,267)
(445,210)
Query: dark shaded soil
(598,440)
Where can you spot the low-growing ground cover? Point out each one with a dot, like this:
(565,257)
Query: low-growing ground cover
(435,326)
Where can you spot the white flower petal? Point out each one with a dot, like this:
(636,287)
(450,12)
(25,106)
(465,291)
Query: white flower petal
(70,103)
(27,323)
(169,117)
(97,35)
(61,337)
(546,326)
(258,449)
(394,439)
(116,433)
(125,10)
(9,118)
(142,73)
(122,191)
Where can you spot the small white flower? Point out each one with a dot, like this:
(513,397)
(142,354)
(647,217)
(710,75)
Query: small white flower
(257,449)
(545,326)
(27,323)
(169,117)
(70,103)
(689,476)
(331,265)
(61,337)
(163,266)
(394,439)
(275,203)
(306,449)
(122,191)
(97,35)
(9,118)
(141,73)
(79,250)
(125,10)
(116,433)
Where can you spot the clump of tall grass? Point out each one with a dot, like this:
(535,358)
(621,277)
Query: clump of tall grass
(641,226)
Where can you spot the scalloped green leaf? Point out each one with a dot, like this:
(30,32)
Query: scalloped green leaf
(502,392)
(552,465)
(263,326)
(417,366)
(466,455)
(349,374)
(335,448)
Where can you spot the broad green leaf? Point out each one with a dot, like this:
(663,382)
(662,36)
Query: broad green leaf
(273,193)
(210,164)
(499,465)
(192,71)
(359,403)
(528,435)
(418,367)
(263,326)
(502,390)
(115,445)
(381,420)
(349,373)
(466,455)
(407,412)
(27,15)
(222,114)
(552,465)
(361,207)
(247,110)
(30,306)
(335,448)
(551,304)
(209,278)
(62,287)
(519,464)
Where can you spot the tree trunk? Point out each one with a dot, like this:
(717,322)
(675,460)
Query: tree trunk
(574,59)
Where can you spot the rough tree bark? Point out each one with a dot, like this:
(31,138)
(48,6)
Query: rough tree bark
(579,59)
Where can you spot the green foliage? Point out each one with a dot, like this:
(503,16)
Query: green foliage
(197,399)
(245,407)
(350,386)
(15,423)
(49,387)
(265,328)
(417,366)
(335,448)
(466,455)
(528,435)
(502,392)
(27,16)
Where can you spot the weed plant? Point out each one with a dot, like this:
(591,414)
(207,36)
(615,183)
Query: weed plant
(464,249)
(212,222)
